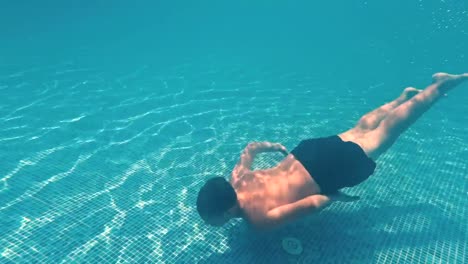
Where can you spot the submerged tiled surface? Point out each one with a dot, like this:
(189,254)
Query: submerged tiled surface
(105,168)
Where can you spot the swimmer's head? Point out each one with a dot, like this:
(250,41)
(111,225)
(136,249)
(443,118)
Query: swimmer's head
(216,201)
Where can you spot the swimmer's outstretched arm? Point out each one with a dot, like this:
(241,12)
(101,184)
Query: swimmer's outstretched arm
(314,203)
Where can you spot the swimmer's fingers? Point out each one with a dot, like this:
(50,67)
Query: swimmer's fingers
(281,148)
(342,197)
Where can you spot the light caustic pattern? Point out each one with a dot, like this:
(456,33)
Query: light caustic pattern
(100,167)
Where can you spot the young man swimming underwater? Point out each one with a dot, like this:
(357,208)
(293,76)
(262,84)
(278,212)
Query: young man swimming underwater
(310,177)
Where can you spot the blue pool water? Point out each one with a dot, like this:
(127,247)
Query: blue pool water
(114,114)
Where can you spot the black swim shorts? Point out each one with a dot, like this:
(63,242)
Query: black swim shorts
(334,163)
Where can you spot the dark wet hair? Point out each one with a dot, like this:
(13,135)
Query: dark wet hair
(215,197)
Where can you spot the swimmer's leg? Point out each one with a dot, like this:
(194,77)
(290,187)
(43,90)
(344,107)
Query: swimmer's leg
(397,121)
(372,119)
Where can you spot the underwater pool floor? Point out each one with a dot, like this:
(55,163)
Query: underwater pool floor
(102,167)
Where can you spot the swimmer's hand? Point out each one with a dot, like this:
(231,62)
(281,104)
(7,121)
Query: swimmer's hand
(281,148)
(342,197)
(258,147)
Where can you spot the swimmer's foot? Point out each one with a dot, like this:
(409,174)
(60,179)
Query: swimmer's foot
(448,81)
(408,93)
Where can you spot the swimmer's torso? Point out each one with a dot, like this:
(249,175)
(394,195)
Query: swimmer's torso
(262,190)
